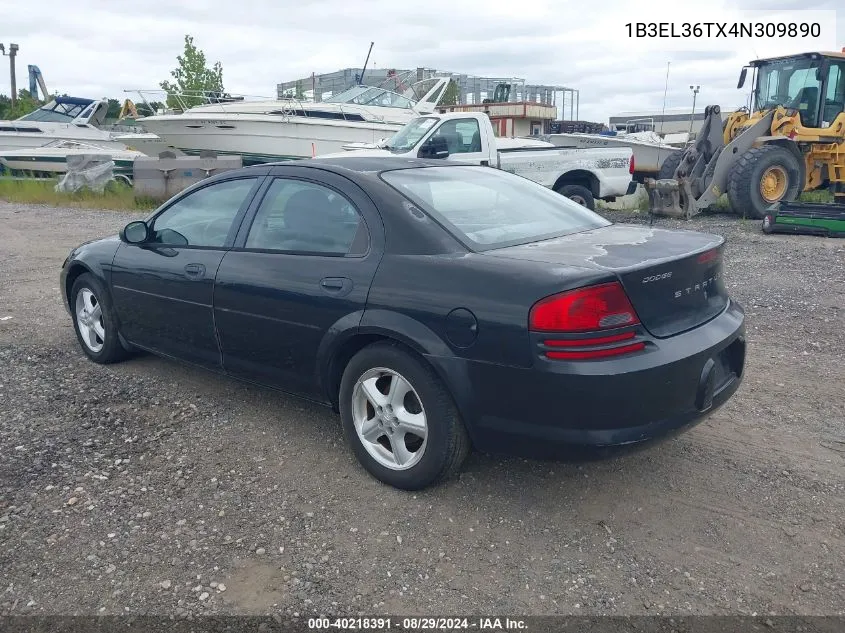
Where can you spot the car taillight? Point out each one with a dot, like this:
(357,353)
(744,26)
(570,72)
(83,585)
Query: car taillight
(586,314)
(631,165)
(584,310)
(708,256)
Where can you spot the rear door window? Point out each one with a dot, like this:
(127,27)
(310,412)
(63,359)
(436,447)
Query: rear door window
(297,216)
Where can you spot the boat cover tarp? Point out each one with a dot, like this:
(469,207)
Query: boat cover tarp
(87,171)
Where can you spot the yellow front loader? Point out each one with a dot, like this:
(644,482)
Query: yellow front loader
(791,140)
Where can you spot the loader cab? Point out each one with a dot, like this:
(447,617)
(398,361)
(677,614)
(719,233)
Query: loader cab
(813,84)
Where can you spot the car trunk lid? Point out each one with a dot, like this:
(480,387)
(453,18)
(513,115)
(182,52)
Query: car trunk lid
(673,278)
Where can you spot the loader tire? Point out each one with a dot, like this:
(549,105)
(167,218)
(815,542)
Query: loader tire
(763,176)
(670,164)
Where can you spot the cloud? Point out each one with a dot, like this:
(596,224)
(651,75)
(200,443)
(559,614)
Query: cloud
(95,49)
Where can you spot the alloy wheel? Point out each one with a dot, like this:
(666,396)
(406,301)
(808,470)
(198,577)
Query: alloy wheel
(389,418)
(89,320)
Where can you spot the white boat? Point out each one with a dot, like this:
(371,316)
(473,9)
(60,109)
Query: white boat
(51,159)
(289,129)
(63,119)
(650,149)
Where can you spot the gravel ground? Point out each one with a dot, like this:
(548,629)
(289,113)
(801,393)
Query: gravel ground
(151,487)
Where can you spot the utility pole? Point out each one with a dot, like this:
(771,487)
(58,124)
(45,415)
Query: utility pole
(13,51)
(695,90)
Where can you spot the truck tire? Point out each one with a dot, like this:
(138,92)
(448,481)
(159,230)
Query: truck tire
(579,194)
(670,164)
(762,177)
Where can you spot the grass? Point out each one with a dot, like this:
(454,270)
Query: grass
(819,195)
(116,197)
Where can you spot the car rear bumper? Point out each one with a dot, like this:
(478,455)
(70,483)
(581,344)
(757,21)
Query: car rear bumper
(595,408)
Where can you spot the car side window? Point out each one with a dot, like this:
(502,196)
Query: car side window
(462,136)
(204,217)
(300,216)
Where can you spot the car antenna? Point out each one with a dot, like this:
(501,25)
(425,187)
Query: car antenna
(662,121)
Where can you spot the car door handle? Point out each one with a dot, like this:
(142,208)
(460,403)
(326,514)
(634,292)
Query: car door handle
(194,271)
(336,285)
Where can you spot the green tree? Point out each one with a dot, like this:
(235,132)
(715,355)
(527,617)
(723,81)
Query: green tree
(452,94)
(193,79)
(114,109)
(25,104)
(300,93)
(143,110)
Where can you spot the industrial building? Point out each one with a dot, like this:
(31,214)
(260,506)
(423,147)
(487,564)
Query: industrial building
(670,121)
(514,118)
(473,90)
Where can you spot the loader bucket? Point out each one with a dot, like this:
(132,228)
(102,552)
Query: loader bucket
(664,198)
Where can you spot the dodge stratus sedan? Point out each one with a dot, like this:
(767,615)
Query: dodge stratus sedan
(435,307)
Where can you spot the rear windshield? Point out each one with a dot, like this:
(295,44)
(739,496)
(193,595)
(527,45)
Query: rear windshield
(488,208)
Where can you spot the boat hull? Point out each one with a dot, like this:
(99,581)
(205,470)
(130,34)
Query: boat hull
(24,164)
(148,144)
(56,132)
(265,138)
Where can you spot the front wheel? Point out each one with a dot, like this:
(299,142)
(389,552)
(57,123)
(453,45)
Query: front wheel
(399,418)
(94,321)
(762,177)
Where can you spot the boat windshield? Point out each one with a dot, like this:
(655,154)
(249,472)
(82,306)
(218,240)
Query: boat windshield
(371,96)
(58,111)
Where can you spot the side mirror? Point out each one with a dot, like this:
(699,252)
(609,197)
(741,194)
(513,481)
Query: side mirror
(743,73)
(135,232)
(434,147)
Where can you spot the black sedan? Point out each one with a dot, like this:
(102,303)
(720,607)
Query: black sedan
(435,307)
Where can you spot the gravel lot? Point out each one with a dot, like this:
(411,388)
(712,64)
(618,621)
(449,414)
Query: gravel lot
(151,487)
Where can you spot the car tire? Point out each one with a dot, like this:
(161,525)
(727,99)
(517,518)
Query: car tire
(94,321)
(378,436)
(579,194)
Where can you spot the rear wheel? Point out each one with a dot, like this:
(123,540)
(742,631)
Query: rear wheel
(399,418)
(579,194)
(763,176)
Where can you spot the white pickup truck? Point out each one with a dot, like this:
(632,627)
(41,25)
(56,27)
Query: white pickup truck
(580,174)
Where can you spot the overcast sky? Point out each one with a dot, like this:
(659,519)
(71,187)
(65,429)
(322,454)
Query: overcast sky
(99,48)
